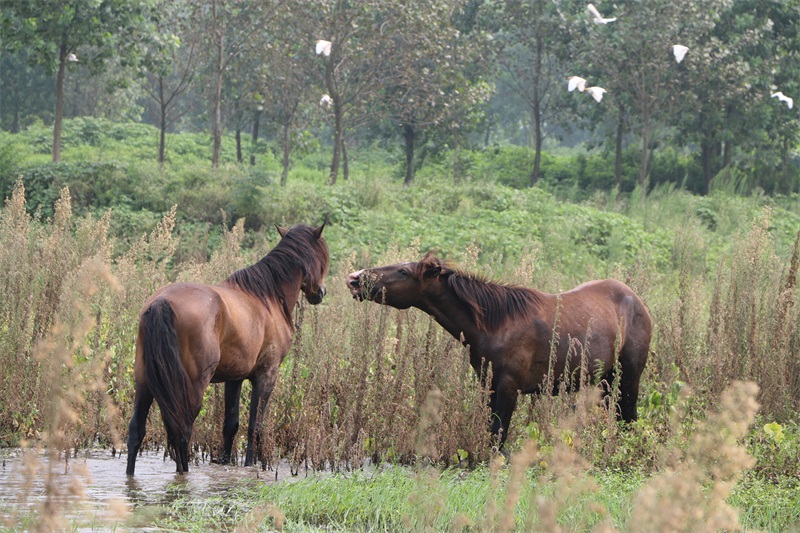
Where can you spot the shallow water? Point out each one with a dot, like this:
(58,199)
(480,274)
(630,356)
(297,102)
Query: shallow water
(91,492)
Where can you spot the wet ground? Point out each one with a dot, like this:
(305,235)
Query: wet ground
(90,491)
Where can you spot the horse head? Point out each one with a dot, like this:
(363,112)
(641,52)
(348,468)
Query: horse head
(401,285)
(315,260)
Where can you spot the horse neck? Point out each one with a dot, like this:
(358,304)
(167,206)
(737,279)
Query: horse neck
(282,287)
(449,311)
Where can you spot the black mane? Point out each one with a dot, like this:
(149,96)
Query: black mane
(491,303)
(299,250)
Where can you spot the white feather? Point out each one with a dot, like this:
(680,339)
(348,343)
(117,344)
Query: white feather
(596,92)
(323,47)
(597,17)
(576,82)
(783,98)
(680,52)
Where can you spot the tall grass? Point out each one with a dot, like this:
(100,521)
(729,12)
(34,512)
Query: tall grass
(369,382)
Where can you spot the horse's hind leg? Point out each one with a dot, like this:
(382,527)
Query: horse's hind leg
(143,399)
(233,390)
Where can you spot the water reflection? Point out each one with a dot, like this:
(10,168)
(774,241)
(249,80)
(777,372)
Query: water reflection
(93,487)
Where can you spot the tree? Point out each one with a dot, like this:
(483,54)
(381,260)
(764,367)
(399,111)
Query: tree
(170,64)
(431,77)
(632,58)
(749,51)
(56,32)
(532,62)
(230,28)
(288,84)
(351,72)
(24,91)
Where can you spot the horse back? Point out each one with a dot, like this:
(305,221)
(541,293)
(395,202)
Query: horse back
(221,331)
(598,320)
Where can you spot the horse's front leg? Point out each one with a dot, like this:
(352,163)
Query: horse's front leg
(262,389)
(230,427)
(502,402)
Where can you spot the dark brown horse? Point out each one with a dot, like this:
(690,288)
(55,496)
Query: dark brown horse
(512,328)
(191,335)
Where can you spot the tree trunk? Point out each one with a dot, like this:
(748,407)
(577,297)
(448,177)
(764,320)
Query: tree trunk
(338,118)
(537,146)
(337,143)
(287,146)
(409,135)
(59,116)
(162,136)
(456,158)
(256,121)
(345,159)
(618,151)
(537,104)
(645,159)
(217,95)
(239,156)
(707,158)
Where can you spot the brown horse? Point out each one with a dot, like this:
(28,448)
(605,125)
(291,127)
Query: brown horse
(512,328)
(191,335)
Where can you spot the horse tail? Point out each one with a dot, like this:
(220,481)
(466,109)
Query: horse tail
(166,377)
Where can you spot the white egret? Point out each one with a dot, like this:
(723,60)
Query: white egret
(680,51)
(323,47)
(783,98)
(596,92)
(72,57)
(576,82)
(326,100)
(597,17)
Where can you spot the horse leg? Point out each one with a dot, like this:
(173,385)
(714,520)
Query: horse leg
(502,403)
(262,388)
(143,399)
(629,386)
(230,427)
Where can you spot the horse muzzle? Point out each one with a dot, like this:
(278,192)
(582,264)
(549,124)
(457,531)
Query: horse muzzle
(316,297)
(355,286)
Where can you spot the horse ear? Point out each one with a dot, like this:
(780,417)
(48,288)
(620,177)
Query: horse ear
(318,231)
(281,230)
(431,266)
(433,271)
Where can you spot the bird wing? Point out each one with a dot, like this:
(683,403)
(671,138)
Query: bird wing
(576,82)
(596,92)
(593,10)
(323,47)
(680,52)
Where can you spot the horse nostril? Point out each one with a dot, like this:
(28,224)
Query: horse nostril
(353,280)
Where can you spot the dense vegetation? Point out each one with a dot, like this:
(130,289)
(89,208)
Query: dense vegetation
(88,239)
(430,80)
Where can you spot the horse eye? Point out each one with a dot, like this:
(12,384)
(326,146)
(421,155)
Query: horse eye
(403,272)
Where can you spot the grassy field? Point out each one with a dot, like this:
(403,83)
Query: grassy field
(366,385)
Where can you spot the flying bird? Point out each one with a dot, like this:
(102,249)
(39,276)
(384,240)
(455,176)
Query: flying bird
(325,100)
(596,92)
(597,17)
(783,98)
(323,47)
(576,82)
(680,51)
(72,57)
